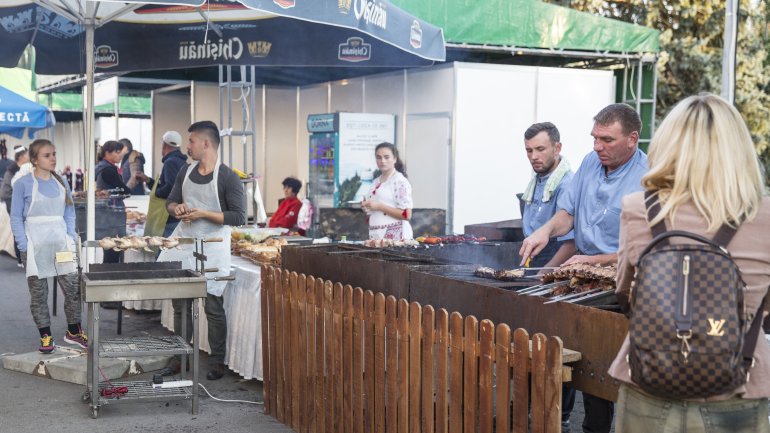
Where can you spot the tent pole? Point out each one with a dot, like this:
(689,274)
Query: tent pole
(89,144)
(728,55)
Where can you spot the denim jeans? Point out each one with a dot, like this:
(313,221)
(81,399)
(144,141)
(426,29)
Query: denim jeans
(638,412)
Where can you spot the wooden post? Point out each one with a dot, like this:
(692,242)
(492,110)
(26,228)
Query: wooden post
(520,363)
(329,357)
(415,340)
(287,347)
(267,343)
(486,368)
(455,373)
(402,376)
(301,353)
(470,373)
(503,378)
(391,364)
(280,327)
(538,408)
(370,336)
(553,383)
(310,382)
(320,356)
(347,359)
(442,370)
(379,363)
(337,360)
(358,364)
(428,371)
(294,331)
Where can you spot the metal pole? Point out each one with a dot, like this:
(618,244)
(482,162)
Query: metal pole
(728,54)
(89,120)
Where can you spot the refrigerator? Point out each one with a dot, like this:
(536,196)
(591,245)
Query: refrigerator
(342,163)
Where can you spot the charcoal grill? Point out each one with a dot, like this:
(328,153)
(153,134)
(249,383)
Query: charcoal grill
(605,299)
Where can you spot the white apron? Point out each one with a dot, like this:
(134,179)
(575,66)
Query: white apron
(204,197)
(47,234)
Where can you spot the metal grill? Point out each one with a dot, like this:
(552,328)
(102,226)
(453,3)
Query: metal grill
(146,345)
(143,390)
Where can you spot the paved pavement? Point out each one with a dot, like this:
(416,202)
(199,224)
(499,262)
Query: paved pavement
(35,404)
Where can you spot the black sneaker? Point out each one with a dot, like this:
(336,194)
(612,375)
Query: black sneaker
(216,372)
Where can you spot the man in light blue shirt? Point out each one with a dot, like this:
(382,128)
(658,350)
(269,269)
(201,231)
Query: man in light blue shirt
(551,180)
(591,206)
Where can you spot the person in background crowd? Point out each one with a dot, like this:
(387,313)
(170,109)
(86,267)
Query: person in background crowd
(161,223)
(388,205)
(20,158)
(551,178)
(4,161)
(108,178)
(207,198)
(132,167)
(705,169)
(591,206)
(288,210)
(43,223)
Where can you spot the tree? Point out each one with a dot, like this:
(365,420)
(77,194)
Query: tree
(691,53)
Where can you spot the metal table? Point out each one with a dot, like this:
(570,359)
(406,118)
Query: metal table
(138,285)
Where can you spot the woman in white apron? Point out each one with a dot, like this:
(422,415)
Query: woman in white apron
(43,222)
(388,204)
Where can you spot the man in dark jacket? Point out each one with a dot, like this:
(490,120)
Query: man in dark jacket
(173,160)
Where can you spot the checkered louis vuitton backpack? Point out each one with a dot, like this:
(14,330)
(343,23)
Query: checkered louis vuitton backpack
(689,332)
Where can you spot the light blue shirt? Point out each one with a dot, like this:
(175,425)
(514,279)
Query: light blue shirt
(594,199)
(538,212)
(22,198)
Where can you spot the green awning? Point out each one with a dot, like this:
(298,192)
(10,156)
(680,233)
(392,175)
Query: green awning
(530,24)
(74,102)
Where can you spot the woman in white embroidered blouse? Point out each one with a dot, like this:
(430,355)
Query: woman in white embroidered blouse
(388,204)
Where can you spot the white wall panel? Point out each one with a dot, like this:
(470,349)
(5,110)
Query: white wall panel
(495,104)
(170,112)
(384,93)
(570,98)
(347,95)
(281,152)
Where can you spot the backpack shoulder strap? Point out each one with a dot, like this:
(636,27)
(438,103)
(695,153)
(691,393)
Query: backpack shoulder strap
(653,209)
(725,235)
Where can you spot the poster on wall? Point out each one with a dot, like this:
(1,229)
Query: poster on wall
(359,134)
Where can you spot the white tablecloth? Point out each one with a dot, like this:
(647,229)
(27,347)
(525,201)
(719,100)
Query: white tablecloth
(244,320)
(6,236)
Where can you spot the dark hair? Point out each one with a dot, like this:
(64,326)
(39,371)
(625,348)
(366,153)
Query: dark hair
(206,127)
(628,117)
(400,166)
(127,143)
(110,146)
(34,149)
(537,128)
(292,183)
(18,155)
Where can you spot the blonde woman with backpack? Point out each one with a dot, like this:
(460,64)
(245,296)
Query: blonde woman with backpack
(704,168)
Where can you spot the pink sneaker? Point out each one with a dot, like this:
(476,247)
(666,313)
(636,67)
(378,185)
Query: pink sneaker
(46,344)
(78,339)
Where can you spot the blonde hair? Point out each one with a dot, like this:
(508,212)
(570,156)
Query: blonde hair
(703,153)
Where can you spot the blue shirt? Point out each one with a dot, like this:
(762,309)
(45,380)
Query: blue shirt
(594,199)
(22,198)
(538,212)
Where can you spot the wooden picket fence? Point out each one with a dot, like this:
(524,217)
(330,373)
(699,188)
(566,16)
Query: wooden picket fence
(340,360)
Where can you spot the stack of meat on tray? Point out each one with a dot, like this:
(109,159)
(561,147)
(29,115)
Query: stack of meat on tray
(580,278)
(502,274)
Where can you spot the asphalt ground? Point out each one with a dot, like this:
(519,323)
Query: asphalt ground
(35,404)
